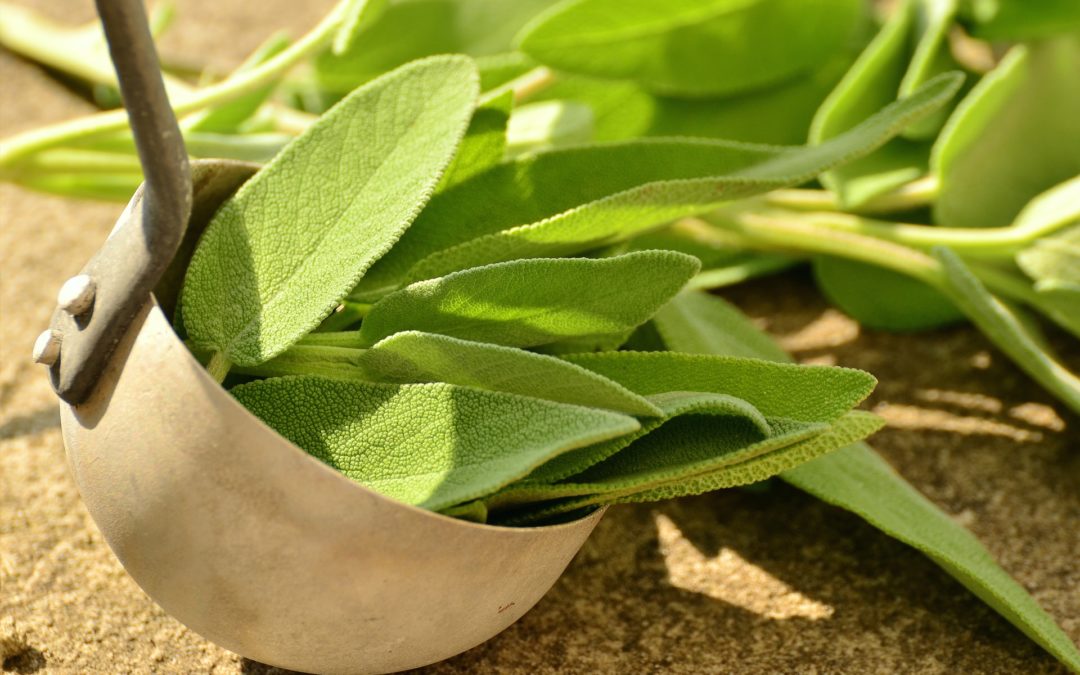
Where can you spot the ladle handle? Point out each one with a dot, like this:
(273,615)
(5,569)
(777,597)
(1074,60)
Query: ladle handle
(97,307)
(158,139)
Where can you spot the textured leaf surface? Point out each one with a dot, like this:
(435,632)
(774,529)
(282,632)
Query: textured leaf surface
(1015,135)
(431,445)
(282,253)
(792,445)
(655,181)
(855,478)
(425,357)
(692,47)
(672,404)
(882,299)
(806,393)
(1002,325)
(526,303)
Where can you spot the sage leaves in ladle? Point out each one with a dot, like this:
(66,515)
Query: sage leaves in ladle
(282,253)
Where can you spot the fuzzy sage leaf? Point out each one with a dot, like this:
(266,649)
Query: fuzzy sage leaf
(857,479)
(431,445)
(282,253)
(526,303)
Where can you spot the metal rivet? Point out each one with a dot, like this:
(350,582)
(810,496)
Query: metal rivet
(76,296)
(47,347)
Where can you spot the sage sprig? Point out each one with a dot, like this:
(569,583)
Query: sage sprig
(473,282)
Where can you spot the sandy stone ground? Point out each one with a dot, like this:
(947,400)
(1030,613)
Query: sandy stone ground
(767,581)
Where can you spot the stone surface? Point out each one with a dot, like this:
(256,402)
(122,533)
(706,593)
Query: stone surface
(760,581)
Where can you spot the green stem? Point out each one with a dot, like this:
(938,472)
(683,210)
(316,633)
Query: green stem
(341,363)
(238,84)
(347,314)
(916,194)
(802,236)
(759,265)
(218,367)
(525,85)
(995,242)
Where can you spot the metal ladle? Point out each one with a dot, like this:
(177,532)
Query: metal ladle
(232,529)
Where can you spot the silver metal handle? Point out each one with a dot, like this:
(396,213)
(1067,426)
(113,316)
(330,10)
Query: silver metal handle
(97,306)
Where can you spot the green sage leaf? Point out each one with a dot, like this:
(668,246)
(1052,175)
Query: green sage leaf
(779,114)
(430,445)
(1055,258)
(282,253)
(688,456)
(804,393)
(654,181)
(882,299)
(1016,20)
(548,124)
(411,29)
(1000,323)
(424,357)
(857,479)
(692,47)
(525,303)
(882,73)
(230,117)
(484,144)
(359,15)
(672,404)
(1015,135)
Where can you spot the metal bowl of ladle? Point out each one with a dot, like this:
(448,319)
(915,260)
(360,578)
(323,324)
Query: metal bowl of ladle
(232,529)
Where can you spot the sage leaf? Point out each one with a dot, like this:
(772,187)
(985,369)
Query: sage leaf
(1001,324)
(1007,115)
(680,459)
(536,187)
(230,117)
(413,357)
(857,479)
(424,357)
(692,47)
(672,404)
(484,144)
(655,181)
(1054,258)
(805,393)
(779,114)
(1051,210)
(546,125)
(1017,20)
(412,29)
(525,303)
(430,445)
(699,323)
(930,57)
(280,255)
(359,15)
(879,75)
(882,299)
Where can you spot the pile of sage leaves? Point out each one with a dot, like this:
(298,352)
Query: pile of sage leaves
(472,272)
